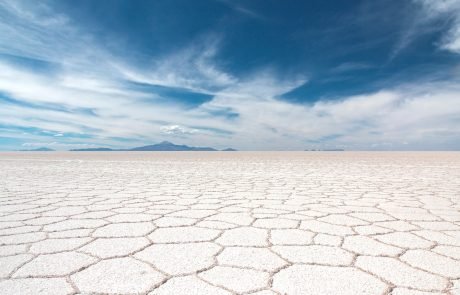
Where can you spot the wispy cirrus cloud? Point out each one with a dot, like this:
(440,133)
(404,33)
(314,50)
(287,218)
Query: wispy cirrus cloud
(193,68)
(92,97)
(448,10)
(432,16)
(243,10)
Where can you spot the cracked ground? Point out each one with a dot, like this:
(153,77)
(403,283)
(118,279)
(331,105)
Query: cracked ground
(230,223)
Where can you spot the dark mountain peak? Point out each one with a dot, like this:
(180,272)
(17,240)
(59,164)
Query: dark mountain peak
(43,149)
(165,142)
(169,146)
(229,150)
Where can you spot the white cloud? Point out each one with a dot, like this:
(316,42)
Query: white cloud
(451,40)
(192,68)
(33,30)
(434,7)
(428,16)
(177,130)
(446,10)
(93,99)
(422,115)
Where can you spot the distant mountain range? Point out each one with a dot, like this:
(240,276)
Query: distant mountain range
(162,146)
(41,149)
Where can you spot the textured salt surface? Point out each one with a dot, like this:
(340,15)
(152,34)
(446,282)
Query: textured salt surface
(230,223)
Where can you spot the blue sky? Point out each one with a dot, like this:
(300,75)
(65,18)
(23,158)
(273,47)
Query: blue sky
(248,74)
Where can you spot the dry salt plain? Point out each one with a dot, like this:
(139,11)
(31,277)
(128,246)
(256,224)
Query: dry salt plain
(230,223)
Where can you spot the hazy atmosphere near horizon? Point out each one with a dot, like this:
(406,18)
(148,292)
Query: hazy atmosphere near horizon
(250,75)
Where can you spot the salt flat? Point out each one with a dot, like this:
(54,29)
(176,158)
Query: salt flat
(230,223)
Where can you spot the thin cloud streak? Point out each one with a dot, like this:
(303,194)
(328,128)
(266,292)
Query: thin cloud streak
(431,16)
(88,77)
